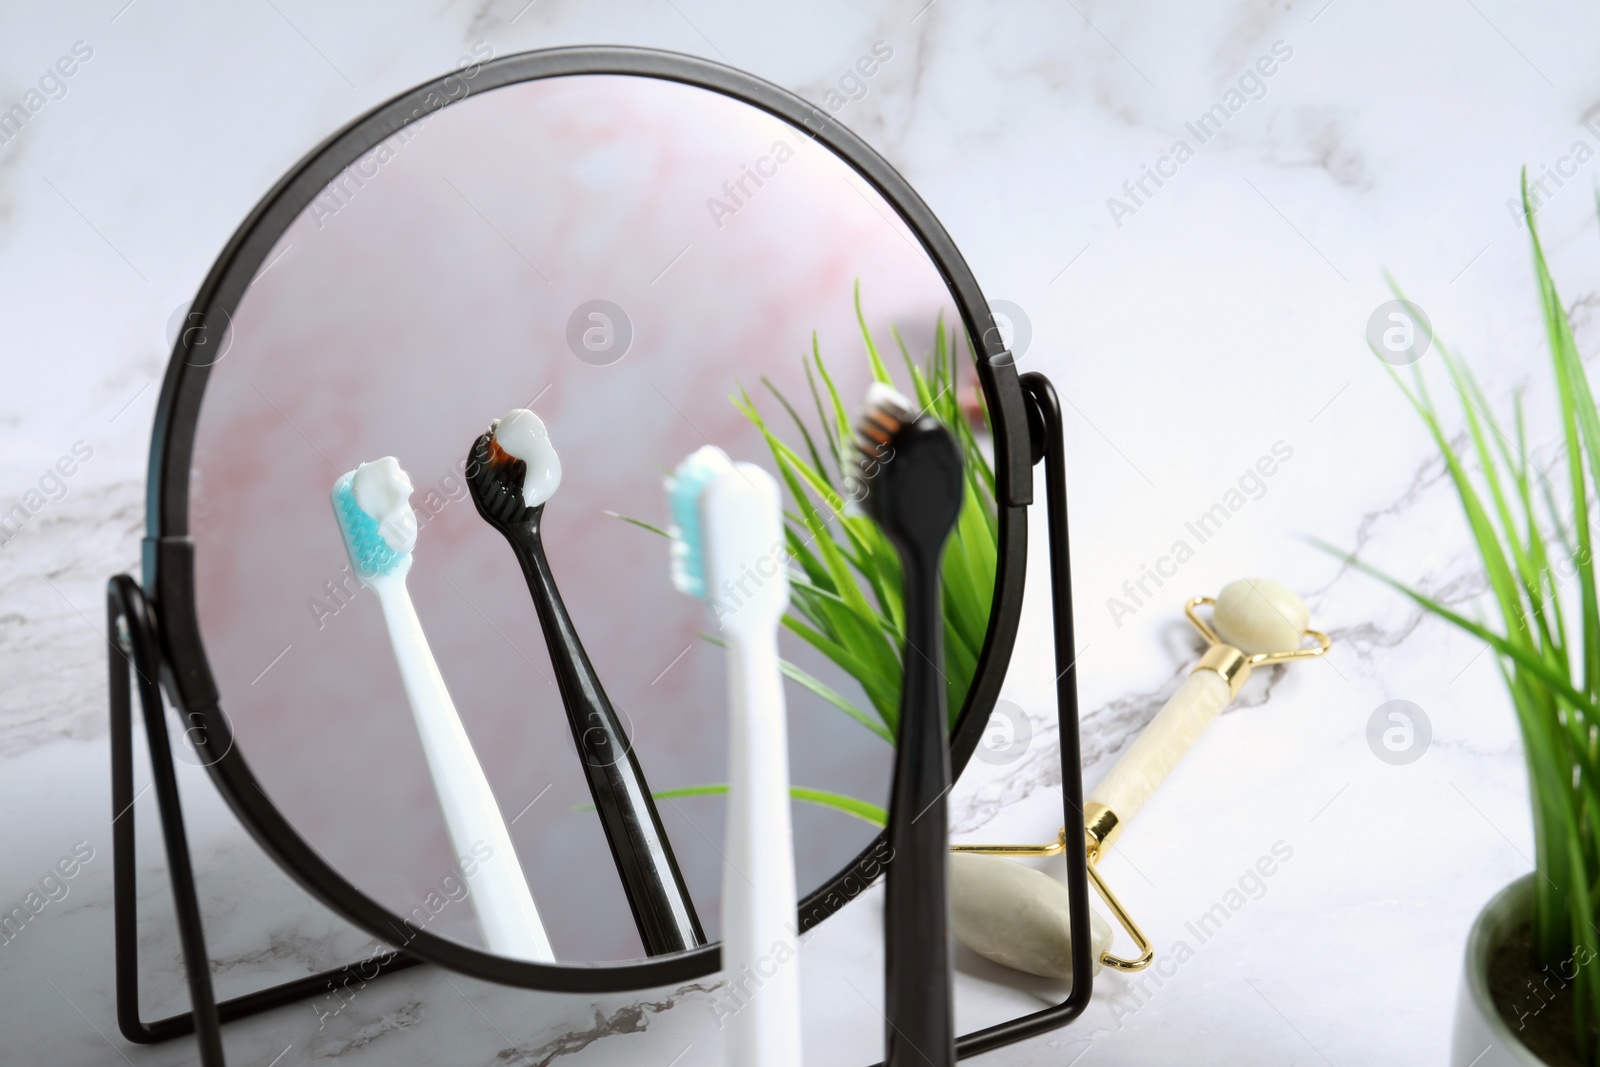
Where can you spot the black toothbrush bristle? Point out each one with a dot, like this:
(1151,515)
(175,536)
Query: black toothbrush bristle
(886,414)
(495,480)
(909,468)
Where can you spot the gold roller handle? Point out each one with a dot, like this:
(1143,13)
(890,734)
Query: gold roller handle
(1211,686)
(1145,764)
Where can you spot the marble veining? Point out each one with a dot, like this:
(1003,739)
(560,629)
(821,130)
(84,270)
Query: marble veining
(627,1019)
(1228,311)
(388,1027)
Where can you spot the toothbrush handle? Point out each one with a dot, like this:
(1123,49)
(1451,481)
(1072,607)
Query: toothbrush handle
(662,908)
(1156,751)
(917,951)
(758,885)
(504,904)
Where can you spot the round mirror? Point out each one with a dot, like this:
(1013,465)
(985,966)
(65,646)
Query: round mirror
(649,262)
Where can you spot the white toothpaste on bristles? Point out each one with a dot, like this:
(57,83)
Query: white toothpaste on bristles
(383,490)
(522,435)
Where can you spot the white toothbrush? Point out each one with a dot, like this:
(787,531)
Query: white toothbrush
(372,507)
(729,551)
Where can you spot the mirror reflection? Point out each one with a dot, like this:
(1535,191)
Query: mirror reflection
(621,271)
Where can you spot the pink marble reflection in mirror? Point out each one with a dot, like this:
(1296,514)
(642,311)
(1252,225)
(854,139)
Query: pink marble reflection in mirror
(430,289)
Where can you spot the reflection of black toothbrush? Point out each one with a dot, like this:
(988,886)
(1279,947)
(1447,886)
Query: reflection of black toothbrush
(512,501)
(910,470)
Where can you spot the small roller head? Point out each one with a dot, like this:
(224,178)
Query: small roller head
(1257,615)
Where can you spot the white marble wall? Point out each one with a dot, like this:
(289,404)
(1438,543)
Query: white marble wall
(1224,313)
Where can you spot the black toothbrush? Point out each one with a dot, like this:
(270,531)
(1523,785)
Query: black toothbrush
(661,905)
(911,485)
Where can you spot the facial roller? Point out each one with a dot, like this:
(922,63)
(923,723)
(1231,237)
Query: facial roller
(1021,922)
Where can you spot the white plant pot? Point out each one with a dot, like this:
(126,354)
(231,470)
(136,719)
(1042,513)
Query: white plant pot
(1482,1038)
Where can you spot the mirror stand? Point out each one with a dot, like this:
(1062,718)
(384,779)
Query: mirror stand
(135,655)
(1046,435)
(1046,444)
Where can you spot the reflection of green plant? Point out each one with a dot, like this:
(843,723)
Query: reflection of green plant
(846,598)
(861,809)
(1553,677)
(845,588)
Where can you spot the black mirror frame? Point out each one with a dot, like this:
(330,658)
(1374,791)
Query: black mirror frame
(168,571)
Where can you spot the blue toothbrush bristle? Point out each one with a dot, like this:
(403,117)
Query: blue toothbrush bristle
(683,500)
(369,553)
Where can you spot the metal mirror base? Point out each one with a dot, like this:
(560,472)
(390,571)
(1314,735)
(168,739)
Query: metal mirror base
(134,658)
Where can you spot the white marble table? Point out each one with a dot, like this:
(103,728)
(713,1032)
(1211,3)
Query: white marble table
(1192,326)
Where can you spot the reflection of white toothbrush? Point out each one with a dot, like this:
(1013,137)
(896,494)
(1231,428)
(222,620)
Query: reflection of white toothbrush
(380,530)
(728,550)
